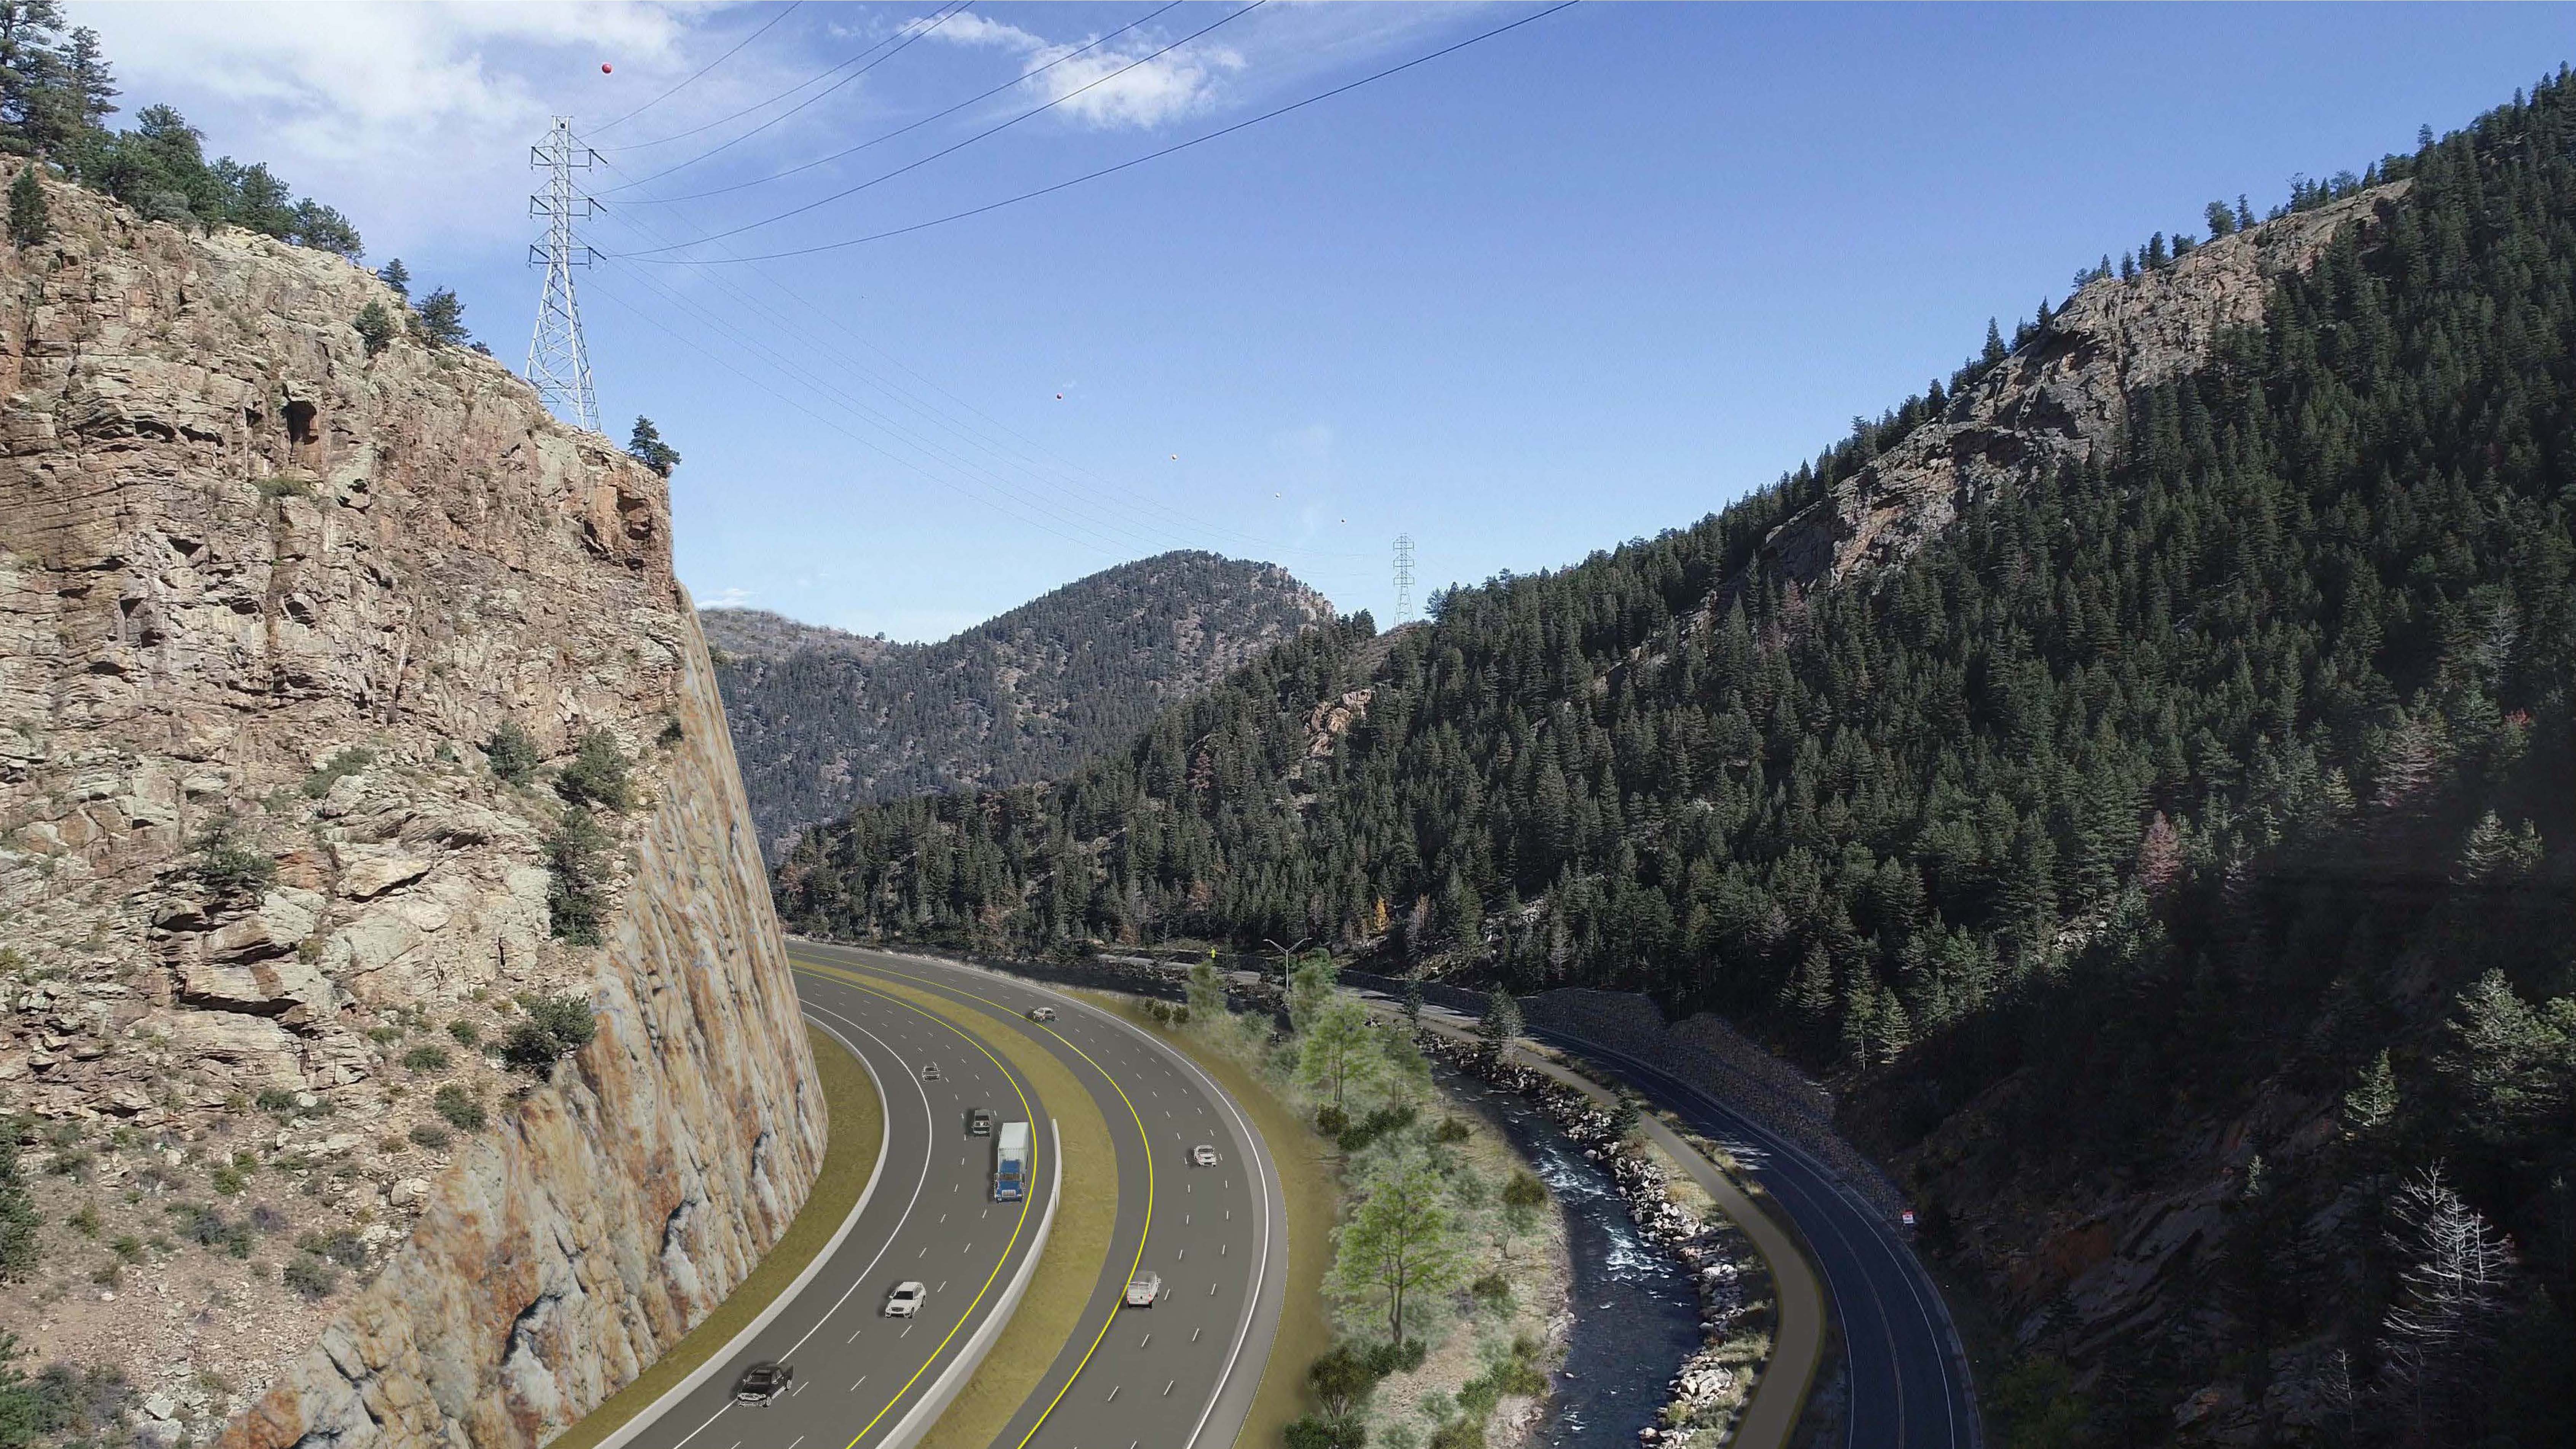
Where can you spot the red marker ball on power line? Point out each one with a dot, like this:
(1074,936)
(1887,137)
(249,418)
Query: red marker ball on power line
(604,69)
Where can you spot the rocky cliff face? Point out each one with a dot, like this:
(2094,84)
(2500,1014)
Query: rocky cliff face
(264,599)
(2061,399)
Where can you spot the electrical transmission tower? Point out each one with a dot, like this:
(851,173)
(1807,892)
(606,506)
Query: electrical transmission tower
(1404,578)
(558,360)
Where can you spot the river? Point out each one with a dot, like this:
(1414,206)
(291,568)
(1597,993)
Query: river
(1636,1315)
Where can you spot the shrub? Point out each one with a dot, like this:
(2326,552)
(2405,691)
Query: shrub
(335,769)
(207,1227)
(282,485)
(229,867)
(276,1102)
(19,1221)
(557,1026)
(1451,1130)
(310,1276)
(267,1219)
(384,1035)
(229,1181)
(1332,1121)
(1491,1291)
(341,1245)
(512,755)
(465,1032)
(576,878)
(430,1135)
(462,1109)
(597,774)
(128,1247)
(426,1059)
(85,1220)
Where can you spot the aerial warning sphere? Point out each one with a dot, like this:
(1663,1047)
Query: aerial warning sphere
(604,68)
(1059,397)
(1176,457)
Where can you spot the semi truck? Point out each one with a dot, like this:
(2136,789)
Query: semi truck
(1011,1162)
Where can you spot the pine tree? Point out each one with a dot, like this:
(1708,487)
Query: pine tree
(397,276)
(28,221)
(645,446)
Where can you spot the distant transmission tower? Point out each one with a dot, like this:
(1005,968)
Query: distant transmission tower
(558,360)
(1404,578)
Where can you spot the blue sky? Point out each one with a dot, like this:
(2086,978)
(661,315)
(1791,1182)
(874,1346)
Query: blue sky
(1579,283)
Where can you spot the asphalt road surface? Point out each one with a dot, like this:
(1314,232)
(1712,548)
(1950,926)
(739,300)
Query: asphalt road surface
(1179,1375)
(931,1219)
(1909,1389)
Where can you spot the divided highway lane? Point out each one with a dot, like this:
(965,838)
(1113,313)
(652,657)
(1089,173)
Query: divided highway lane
(930,1218)
(1182,1374)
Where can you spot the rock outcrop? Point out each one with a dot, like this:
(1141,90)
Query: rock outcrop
(2060,399)
(265,600)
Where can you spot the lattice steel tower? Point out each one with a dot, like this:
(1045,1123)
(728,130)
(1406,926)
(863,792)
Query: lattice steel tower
(1404,578)
(558,360)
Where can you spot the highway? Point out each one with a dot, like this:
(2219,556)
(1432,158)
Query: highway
(1178,1375)
(930,1218)
(1908,1384)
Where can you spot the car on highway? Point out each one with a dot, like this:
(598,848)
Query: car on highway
(1041,1013)
(1203,1155)
(930,1072)
(979,1123)
(1143,1289)
(905,1300)
(762,1382)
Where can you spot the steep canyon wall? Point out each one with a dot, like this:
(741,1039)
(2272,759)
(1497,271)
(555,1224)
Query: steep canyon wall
(266,907)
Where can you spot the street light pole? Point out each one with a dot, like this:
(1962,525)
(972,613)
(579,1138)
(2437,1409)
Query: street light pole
(1283,962)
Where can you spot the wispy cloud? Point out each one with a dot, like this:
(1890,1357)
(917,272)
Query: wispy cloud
(1116,85)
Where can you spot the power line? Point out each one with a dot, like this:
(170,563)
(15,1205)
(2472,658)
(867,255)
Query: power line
(935,22)
(902,34)
(969,141)
(710,65)
(1019,79)
(1106,170)
(1197,530)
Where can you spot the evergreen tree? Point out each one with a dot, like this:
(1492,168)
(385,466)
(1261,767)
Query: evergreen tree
(28,223)
(646,447)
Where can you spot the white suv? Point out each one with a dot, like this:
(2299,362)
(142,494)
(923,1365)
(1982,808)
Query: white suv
(1203,1155)
(1041,1013)
(1143,1289)
(905,1300)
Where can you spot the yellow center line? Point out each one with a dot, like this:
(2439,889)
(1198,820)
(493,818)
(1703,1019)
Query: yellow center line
(1025,1200)
(1142,1136)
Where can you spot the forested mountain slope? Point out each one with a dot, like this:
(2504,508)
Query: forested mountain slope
(2141,770)
(823,720)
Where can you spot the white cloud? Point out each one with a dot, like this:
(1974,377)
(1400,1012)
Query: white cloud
(730,599)
(415,119)
(1144,92)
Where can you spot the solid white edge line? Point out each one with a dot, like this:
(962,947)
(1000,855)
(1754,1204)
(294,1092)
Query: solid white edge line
(930,1129)
(697,1377)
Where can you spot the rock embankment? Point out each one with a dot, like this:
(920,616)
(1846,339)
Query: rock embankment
(266,600)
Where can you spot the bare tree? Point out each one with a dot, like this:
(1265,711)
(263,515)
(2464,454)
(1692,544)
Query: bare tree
(2453,1293)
